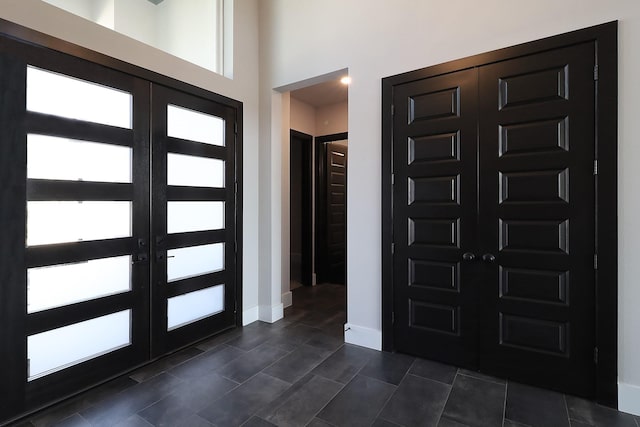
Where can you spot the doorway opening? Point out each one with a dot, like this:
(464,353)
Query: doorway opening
(318,117)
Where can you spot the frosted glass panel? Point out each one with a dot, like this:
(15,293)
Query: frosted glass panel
(58,285)
(57,349)
(65,96)
(77,160)
(194,260)
(194,126)
(188,308)
(183,217)
(59,222)
(194,171)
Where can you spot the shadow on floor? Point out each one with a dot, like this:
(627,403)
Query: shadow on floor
(299,372)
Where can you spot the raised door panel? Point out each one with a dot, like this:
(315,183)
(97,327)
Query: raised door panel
(434,217)
(537,218)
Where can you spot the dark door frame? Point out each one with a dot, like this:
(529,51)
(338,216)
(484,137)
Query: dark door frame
(320,143)
(307,204)
(606,114)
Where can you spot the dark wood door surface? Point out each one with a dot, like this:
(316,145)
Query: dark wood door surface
(336,212)
(494,218)
(537,218)
(435,217)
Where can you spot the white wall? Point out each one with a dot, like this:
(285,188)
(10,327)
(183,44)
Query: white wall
(332,119)
(136,19)
(186,31)
(302,117)
(379,38)
(244,87)
(82,8)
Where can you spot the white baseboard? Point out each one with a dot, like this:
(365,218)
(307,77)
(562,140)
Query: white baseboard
(629,398)
(271,314)
(287,299)
(364,337)
(250,315)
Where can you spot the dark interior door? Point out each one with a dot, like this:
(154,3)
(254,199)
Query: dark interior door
(300,202)
(537,218)
(336,212)
(494,232)
(435,218)
(193,218)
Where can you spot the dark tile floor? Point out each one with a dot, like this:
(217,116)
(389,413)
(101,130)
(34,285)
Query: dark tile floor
(298,372)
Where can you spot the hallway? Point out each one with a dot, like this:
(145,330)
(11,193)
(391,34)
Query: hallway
(298,372)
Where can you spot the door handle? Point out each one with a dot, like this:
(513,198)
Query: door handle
(468,256)
(140,258)
(488,258)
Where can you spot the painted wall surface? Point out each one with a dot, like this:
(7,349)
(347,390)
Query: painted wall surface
(332,119)
(379,38)
(302,117)
(244,87)
(186,31)
(136,19)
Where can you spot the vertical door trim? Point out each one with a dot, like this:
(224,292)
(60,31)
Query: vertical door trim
(605,38)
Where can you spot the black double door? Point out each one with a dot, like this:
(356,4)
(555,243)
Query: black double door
(494,218)
(119,222)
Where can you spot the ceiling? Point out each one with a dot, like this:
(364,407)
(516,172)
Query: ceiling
(327,93)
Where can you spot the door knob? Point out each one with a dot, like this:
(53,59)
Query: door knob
(468,256)
(139,258)
(488,258)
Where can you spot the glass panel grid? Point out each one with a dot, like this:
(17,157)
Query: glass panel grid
(50,157)
(63,284)
(51,222)
(65,96)
(184,170)
(57,349)
(188,308)
(195,126)
(183,217)
(192,261)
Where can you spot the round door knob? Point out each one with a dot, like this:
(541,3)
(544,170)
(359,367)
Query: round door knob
(488,258)
(468,256)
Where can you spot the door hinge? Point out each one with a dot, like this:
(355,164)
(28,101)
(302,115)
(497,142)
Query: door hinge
(393,248)
(595,261)
(595,167)
(393,317)
(595,355)
(393,109)
(595,73)
(393,179)
(235,127)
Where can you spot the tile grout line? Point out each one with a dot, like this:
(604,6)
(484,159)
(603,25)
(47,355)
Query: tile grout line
(394,391)
(504,405)
(448,395)
(342,386)
(566,408)
(264,373)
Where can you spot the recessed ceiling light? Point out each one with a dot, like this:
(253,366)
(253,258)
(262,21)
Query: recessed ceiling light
(346,80)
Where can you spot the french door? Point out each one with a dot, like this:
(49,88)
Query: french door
(118,215)
(494,213)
